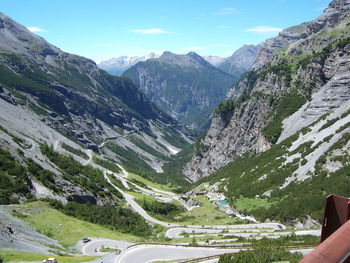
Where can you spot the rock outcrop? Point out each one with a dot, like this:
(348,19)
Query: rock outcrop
(241,61)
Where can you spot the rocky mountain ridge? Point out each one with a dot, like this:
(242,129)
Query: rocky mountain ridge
(240,61)
(187,87)
(303,71)
(117,66)
(336,12)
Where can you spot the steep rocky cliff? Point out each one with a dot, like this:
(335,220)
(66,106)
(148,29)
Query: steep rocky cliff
(299,76)
(240,61)
(187,87)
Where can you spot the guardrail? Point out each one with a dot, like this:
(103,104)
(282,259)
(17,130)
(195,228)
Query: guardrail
(207,246)
(165,245)
(335,248)
(204,258)
(245,248)
(182,245)
(178,245)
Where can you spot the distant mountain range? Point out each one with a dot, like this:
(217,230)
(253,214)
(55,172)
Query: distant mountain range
(187,87)
(238,63)
(116,66)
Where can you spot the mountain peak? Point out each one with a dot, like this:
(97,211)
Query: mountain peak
(190,59)
(17,38)
(167,53)
(340,4)
(199,59)
(170,57)
(192,54)
(185,86)
(195,56)
(240,61)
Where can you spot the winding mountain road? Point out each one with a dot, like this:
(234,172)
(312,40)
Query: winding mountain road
(147,253)
(137,208)
(93,247)
(151,253)
(90,155)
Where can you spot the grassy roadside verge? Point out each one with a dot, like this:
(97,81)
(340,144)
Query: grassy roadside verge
(20,256)
(161,187)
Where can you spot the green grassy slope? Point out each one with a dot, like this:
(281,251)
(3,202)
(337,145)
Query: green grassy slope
(249,178)
(67,230)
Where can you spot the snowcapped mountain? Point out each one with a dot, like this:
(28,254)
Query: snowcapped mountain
(116,66)
(214,60)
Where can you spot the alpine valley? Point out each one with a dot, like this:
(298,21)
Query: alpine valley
(100,168)
(187,87)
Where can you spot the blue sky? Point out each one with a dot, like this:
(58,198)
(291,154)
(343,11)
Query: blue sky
(101,29)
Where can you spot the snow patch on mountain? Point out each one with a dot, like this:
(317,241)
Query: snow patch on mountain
(116,66)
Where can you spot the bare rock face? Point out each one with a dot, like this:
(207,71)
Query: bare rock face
(334,94)
(241,61)
(322,77)
(231,134)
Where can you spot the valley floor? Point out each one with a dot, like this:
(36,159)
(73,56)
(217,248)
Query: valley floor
(57,233)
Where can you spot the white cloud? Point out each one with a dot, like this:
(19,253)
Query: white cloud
(35,29)
(264,29)
(151,31)
(227,11)
(193,48)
